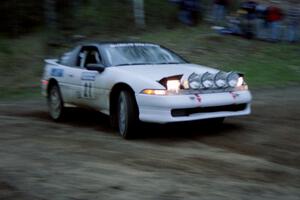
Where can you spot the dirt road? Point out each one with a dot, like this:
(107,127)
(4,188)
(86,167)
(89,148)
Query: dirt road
(254,157)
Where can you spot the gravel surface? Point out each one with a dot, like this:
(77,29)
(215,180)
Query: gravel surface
(253,157)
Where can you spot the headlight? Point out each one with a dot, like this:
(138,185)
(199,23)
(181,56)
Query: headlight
(173,85)
(220,79)
(154,92)
(241,84)
(233,79)
(240,81)
(194,81)
(207,80)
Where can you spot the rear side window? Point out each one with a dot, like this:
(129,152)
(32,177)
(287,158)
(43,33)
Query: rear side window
(65,59)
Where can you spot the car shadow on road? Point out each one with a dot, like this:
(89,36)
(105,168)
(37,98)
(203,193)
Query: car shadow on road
(76,117)
(187,130)
(83,118)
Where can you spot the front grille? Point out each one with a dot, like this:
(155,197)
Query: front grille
(189,111)
(206,91)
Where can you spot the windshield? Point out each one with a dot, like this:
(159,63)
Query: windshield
(140,54)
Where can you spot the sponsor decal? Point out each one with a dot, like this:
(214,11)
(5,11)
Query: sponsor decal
(88,76)
(57,72)
(88,90)
(88,85)
(234,95)
(198,98)
(192,98)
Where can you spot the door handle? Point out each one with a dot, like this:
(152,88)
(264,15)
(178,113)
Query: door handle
(71,75)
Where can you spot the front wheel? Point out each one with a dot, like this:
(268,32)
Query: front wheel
(55,103)
(127,115)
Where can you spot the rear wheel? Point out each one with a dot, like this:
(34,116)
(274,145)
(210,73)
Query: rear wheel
(127,115)
(55,103)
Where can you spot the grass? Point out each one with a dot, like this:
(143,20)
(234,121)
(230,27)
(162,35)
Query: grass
(265,64)
(21,64)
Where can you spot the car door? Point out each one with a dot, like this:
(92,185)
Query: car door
(89,91)
(65,73)
(66,82)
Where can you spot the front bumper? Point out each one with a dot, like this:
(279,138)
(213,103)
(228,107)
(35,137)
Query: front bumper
(161,109)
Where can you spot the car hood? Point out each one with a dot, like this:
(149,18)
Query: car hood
(157,72)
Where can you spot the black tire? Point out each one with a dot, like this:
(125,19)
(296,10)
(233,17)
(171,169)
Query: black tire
(55,103)
(127,115)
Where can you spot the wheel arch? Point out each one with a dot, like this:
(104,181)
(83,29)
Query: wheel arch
(113,96)
(51,83)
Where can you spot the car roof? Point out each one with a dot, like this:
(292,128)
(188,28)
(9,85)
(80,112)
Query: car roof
(102,43)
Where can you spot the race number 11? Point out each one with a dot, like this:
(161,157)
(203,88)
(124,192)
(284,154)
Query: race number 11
(88,90)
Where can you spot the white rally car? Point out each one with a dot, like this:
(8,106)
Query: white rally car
(134,82)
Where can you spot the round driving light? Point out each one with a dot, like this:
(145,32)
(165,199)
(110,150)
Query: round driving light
(207,80)
(220,79)
(232,79)
(194,81)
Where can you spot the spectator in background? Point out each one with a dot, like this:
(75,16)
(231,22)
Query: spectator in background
(189,11)
(248,15)
(274,18)
(293,21)
(261,23)
(219,10)
(193,8)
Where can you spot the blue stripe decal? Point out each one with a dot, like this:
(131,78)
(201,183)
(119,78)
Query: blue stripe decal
(88,76)
(57,72)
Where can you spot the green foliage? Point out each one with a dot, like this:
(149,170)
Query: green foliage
(5,48)
(265,64)
(160,11)
(21,57)
(104,16)
(21,64)
(82,16)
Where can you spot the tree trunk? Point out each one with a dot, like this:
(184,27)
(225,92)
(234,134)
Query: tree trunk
(50,13)
(139,15)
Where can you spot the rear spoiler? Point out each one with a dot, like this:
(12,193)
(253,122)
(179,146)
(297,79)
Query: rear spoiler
(51,61)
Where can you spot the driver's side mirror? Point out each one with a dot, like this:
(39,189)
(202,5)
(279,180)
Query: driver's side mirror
(95,67)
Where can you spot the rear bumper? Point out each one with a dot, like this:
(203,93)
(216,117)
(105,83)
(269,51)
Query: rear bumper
(178,108)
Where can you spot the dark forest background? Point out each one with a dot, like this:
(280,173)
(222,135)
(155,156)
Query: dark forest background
(19,17)
(97,16)
(32,30)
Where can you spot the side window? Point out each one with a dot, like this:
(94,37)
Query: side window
(81,58)
(92,57)
(88,55)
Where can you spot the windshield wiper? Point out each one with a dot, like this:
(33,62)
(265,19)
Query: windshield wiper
(162,63)
(123,64)
(134,64)
(165,63)
(141,64)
